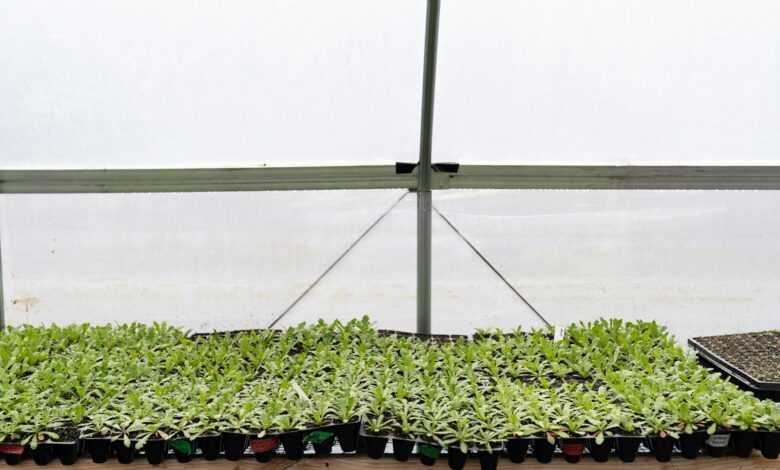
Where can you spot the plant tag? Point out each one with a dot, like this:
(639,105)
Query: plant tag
(182,446)
(572,448)
(431,452)
(14,449)
(560,332)
(261,446)
(299,391)
(318,437)
(718,440)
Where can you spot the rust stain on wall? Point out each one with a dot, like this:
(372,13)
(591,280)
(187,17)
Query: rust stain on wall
(26,301)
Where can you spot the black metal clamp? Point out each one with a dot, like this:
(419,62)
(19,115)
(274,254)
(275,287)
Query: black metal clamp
(402,168)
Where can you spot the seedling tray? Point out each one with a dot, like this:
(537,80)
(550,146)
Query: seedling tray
(286,374)
(753,359)
(423,337)
(206,334)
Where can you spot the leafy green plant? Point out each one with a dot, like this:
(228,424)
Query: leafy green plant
(134,382)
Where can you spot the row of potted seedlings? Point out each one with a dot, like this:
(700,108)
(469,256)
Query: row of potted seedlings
(234,446)
(563,419)
(622,448)
(603,389)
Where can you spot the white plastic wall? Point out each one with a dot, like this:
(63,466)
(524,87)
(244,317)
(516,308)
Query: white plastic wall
(609,81)
(143,83)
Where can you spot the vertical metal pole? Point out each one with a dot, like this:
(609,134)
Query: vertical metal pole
(424,262)
(424,171)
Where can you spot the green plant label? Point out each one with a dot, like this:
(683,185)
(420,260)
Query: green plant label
(429,451)
(718,440)
(261,446)
(182,446)
(318,437)
(14,449)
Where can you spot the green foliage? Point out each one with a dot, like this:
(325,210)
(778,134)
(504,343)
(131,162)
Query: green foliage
(134,382)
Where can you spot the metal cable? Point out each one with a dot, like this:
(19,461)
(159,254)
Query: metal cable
(490,265)
(333,265)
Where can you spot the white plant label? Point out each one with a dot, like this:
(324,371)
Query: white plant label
(718,440)
(559,333)
(299,391)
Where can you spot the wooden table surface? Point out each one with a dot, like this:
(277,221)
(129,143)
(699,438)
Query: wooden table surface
(388,463)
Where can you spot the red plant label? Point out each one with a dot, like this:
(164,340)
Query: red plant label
(260,446)
(14,449)
(572,448)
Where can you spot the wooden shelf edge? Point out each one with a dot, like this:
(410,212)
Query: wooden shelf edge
(387,463)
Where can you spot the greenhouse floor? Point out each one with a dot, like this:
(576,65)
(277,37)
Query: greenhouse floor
(357,463)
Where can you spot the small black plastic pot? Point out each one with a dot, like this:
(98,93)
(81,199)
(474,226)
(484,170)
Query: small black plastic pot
(13,459)
(488,460)
(456,459)
(662,447)
(42,454)
(402,449)
(717,443)
(67,452)
(181,457)
(375,446)
(428,453)
(744,441)
(347,435)
(543,450)
(182,449)
(572,448)
(234,444)
(123,454)
(209,446)
(517,449)
(13,452)
(293,444)
(627,447)
(690,444)
(770,444)
(264,449)
(600,452)
(155,451)
(98,449)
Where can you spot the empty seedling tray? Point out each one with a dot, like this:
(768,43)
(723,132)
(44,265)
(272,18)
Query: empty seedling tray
(751,358)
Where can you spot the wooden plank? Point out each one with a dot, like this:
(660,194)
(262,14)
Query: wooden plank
(357,463)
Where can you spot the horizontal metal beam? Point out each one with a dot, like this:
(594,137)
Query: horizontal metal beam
(610,177)
(385,177)
(204,179)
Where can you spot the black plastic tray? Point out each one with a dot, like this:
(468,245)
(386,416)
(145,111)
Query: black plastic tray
(710,356)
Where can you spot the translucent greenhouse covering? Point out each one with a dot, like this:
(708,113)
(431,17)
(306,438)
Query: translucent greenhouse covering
(609,81)
(699,262)
(143,84)
(306,83)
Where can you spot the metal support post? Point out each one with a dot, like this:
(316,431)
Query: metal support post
(424,172)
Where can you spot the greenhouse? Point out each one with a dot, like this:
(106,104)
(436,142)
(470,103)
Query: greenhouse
(339,234)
